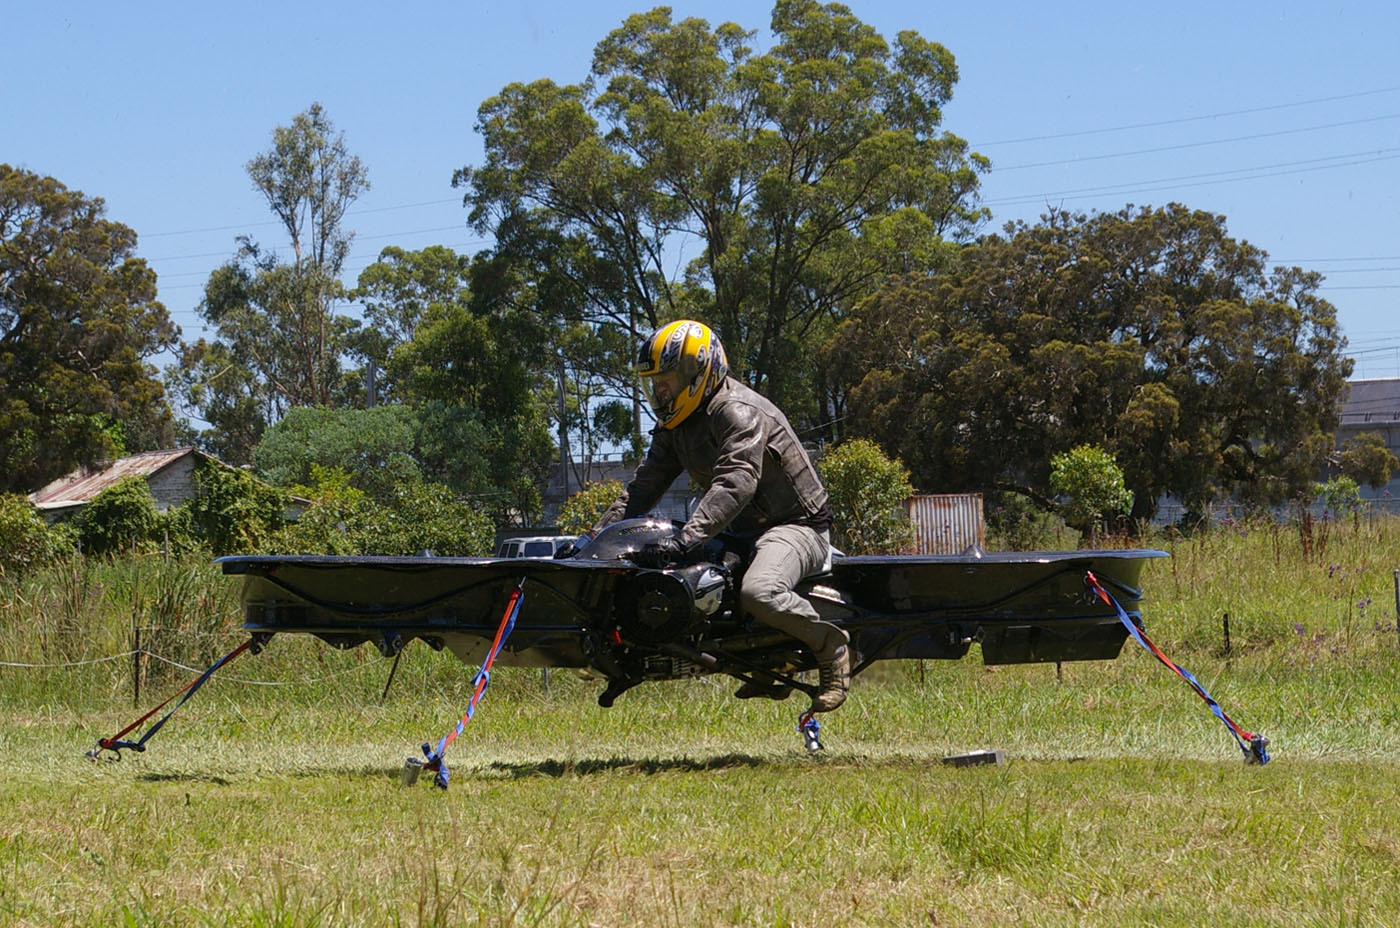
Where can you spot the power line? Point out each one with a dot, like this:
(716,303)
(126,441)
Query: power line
(1173,183)
(1186,119)
(1235,173)
(1186,145)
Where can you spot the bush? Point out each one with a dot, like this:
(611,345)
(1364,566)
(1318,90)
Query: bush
(345,520)
(1339,496)
(583,510)
(325,527)
(232,511)
(1015,523)
(1093,482)
(121,518)
(26,542)
(427,516)
(867,492)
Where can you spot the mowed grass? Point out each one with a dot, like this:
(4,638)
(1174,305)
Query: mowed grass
(1123,800)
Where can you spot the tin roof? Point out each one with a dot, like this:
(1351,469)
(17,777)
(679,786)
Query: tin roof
(82,485)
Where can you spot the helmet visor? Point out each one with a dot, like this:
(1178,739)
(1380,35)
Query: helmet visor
(662,391)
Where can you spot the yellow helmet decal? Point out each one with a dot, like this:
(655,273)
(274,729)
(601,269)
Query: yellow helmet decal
(694,353)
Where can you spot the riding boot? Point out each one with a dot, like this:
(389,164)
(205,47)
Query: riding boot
(834,679)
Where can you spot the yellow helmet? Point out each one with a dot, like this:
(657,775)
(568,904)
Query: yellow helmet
(682,364)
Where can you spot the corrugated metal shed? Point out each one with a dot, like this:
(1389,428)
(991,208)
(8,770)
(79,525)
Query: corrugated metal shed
(946,523)
(79,487)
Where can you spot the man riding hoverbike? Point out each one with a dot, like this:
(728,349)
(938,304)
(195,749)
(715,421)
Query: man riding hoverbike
(758,484)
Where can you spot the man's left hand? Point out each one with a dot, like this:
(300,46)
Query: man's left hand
(659,554)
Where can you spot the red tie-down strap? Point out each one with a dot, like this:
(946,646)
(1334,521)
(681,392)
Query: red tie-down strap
(1253,745)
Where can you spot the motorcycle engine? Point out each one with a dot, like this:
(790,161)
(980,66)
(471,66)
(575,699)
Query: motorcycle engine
(657,606)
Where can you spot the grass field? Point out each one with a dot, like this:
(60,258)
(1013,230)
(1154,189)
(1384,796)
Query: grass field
(1123,800)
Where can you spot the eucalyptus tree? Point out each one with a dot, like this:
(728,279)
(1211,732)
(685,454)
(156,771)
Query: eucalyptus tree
(763,191)
(274,314)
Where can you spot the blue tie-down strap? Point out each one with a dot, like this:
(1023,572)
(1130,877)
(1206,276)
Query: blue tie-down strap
(437,764)
(1254,746)
(435,761)
(117,743)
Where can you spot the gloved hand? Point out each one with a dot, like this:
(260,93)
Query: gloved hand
(659,554)
(569,548)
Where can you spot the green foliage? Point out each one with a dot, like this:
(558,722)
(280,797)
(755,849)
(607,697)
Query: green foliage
(807,174)
(1093,481)
(1365,458)
(79,323)
(279,340)
(1149,332)
(1017,523)
(481,428)
(398,292)
(233,512)
(120,519)
(325,527)
(26,541)
(583,510)
(345,520)
(1340,495)
(374,446)
(867,491)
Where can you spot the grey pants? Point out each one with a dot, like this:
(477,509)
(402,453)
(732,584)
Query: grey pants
(784,555)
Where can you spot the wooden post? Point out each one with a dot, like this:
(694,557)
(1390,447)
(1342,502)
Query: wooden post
(135,663)
(1397,602)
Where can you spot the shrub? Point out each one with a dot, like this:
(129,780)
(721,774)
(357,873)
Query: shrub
(867,492)
(1015,523)
(1093,483)
(26,542)
(232,511)
(418,516)
(583,510)
(121,518)
(1340,495)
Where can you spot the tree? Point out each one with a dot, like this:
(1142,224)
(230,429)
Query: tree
(867,492)
(398,292)
(279,342)
(1366,459)
(468,373)
(1093,484)
(376,447)
(583,509)
(79,321)
(1148,332)
(795,180)
(26,541)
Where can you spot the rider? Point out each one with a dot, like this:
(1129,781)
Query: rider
(758,482)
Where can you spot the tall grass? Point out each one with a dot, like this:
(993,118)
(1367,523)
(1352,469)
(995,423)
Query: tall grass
(1123,800)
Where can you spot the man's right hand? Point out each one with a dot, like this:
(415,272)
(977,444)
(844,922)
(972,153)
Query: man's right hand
(659,554)
(568,549)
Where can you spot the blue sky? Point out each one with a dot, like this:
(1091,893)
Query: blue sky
(1283,117)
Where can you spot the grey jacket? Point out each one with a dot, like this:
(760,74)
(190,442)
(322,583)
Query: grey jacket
(741,450)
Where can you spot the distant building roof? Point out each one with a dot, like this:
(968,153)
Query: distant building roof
(1366,402)
(79,487)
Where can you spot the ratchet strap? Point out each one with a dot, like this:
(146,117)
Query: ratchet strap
(1253,745)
